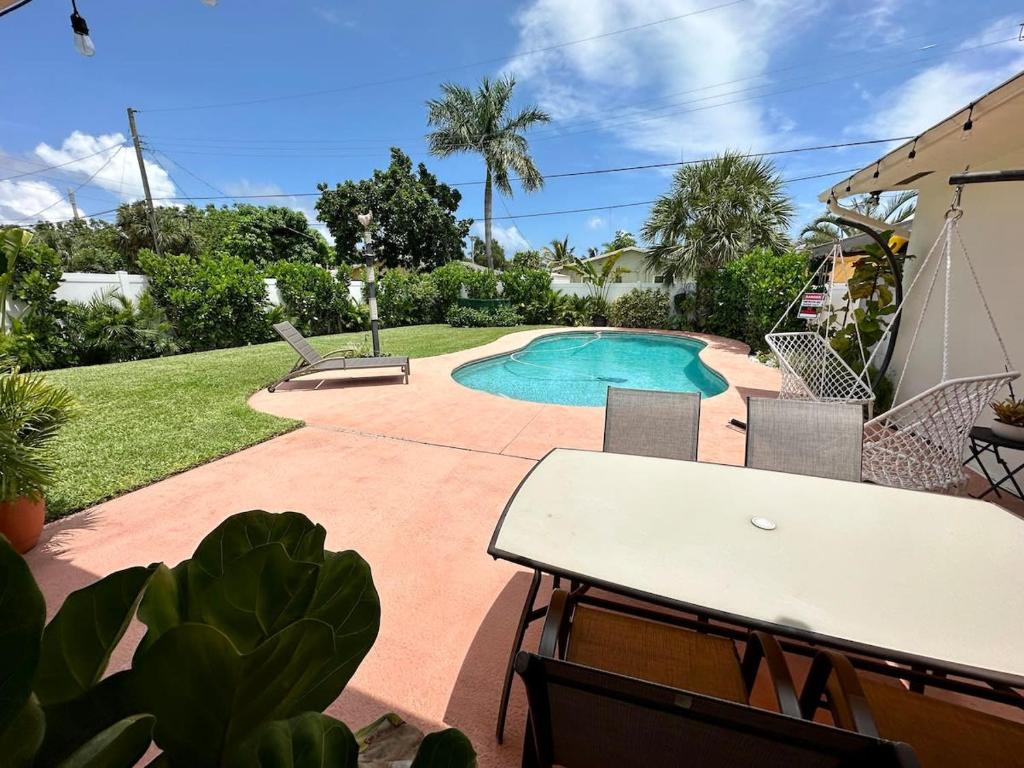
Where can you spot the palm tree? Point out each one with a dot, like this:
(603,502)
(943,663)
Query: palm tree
(480,122)
(598,274)
(560,252)
(715,212)
(894,209)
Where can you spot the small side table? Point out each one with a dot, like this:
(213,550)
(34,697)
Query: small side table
(984,440)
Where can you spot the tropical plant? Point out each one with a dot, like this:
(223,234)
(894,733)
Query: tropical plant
(247,642)
(413,213)
(481,122)
(448,280)
(529,259)
(641,308)
(317,300)
(406,298)
(1010,411)
(478,253)
(13,243)
(598,274)
(526,290)
(135,234)
(32,412)
(560,252)
(111,328)
(892,209)
(715,212)
(622,239)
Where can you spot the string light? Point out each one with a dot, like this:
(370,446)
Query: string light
(969,124)
(875,174)
(83,43)
(913,153)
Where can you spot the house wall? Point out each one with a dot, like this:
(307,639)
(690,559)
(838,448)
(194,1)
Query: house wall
(992,229)
(632,260)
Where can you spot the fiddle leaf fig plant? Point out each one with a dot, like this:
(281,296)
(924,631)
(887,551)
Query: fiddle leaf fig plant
(247,642)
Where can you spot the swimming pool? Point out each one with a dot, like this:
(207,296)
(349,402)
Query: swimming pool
(578,368)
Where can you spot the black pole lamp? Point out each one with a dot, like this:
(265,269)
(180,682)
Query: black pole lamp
(366,221)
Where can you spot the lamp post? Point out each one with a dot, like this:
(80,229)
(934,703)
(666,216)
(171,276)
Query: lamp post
(366,220)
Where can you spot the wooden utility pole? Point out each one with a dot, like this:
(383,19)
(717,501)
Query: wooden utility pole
(145,181)
(74,204)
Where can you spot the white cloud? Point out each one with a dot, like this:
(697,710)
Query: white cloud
(115,169)
(935,94)
(510,238)
(595,222)
(30,201)
(674,69)
(332,16)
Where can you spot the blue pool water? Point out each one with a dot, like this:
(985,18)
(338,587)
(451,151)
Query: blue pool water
(578,368)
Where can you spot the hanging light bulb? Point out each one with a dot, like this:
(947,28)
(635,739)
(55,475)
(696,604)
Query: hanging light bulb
(913,153)
(83,43)
(875,174)
(965,134)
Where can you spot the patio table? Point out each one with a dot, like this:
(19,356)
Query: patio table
(921,579)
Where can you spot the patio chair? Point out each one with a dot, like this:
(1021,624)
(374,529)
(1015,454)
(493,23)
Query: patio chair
(310,361)
(805,437)
(941,733)
(585,715)
(649,423)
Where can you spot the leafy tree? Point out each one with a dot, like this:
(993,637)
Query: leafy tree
(478,251)
(262,234)
(715,212)
(622,239)
(480,122)
(83,245)
(529,259)
(560,252)
(893,209)
(414,216)
(175,227)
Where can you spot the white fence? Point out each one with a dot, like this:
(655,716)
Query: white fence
(615,290)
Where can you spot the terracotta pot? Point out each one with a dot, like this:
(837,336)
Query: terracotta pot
(21,521)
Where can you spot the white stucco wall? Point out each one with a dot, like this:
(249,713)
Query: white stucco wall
(992,229)
(633,260)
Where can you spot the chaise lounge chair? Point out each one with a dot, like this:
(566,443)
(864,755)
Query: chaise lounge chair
(310,361)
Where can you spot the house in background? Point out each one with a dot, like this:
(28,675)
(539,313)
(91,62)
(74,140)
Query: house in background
(986,135)
(632,259)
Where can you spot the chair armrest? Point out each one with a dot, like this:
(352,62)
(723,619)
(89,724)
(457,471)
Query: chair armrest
(335,352)
(825,664)
(763,647)
(556,626)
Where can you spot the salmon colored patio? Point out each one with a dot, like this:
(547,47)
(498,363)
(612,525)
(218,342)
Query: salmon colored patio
(414,478)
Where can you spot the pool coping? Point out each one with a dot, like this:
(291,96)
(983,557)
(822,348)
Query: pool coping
(592,330)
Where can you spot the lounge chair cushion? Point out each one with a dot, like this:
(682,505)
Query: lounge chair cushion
(656,652)
(943,734)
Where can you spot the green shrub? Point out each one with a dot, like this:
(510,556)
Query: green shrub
(482,284)
(526,290)
(467,317)
(406,298)
(36,338)
(212,301)
(114,329)
(316,301)
(750,294)
(448,280)
(641,308)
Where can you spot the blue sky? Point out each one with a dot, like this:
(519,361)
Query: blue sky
(272,98)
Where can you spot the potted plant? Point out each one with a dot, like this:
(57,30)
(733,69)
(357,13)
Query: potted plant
(32,411)
(1009,423)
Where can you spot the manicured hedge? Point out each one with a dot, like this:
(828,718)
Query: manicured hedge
(641,308)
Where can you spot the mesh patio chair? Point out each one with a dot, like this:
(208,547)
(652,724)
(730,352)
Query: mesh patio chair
(585,716)
(310,361)
(940,732)
(649,423)
(804,437)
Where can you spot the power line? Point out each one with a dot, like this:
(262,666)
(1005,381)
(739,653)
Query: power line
(431,73)
(592,172)
(59,165)
(186,170)
(108,161)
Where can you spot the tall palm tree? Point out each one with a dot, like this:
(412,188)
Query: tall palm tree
(482,123)
(715,212)
(559,251)
(894,209)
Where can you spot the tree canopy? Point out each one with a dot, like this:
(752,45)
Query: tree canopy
(478,252)
(622,239)
(414,216)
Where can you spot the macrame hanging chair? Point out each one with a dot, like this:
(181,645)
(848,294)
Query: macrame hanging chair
(811,368)
(919,443)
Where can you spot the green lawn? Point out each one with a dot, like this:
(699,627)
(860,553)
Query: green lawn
(146,420)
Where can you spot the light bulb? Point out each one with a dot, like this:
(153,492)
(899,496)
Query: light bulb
(83,43)
(968,129)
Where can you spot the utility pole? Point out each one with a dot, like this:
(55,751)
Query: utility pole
(145,180)
(74,205)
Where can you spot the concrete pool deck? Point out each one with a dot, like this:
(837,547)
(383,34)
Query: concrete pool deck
(414,478)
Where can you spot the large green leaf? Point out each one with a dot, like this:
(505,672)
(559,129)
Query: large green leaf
(346,599)
(121,745)
(20,741)
(22,615)
(258,594)
(243,532)
(78,642)
(162,605)
(445,749)
(310,740)
(188,680)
